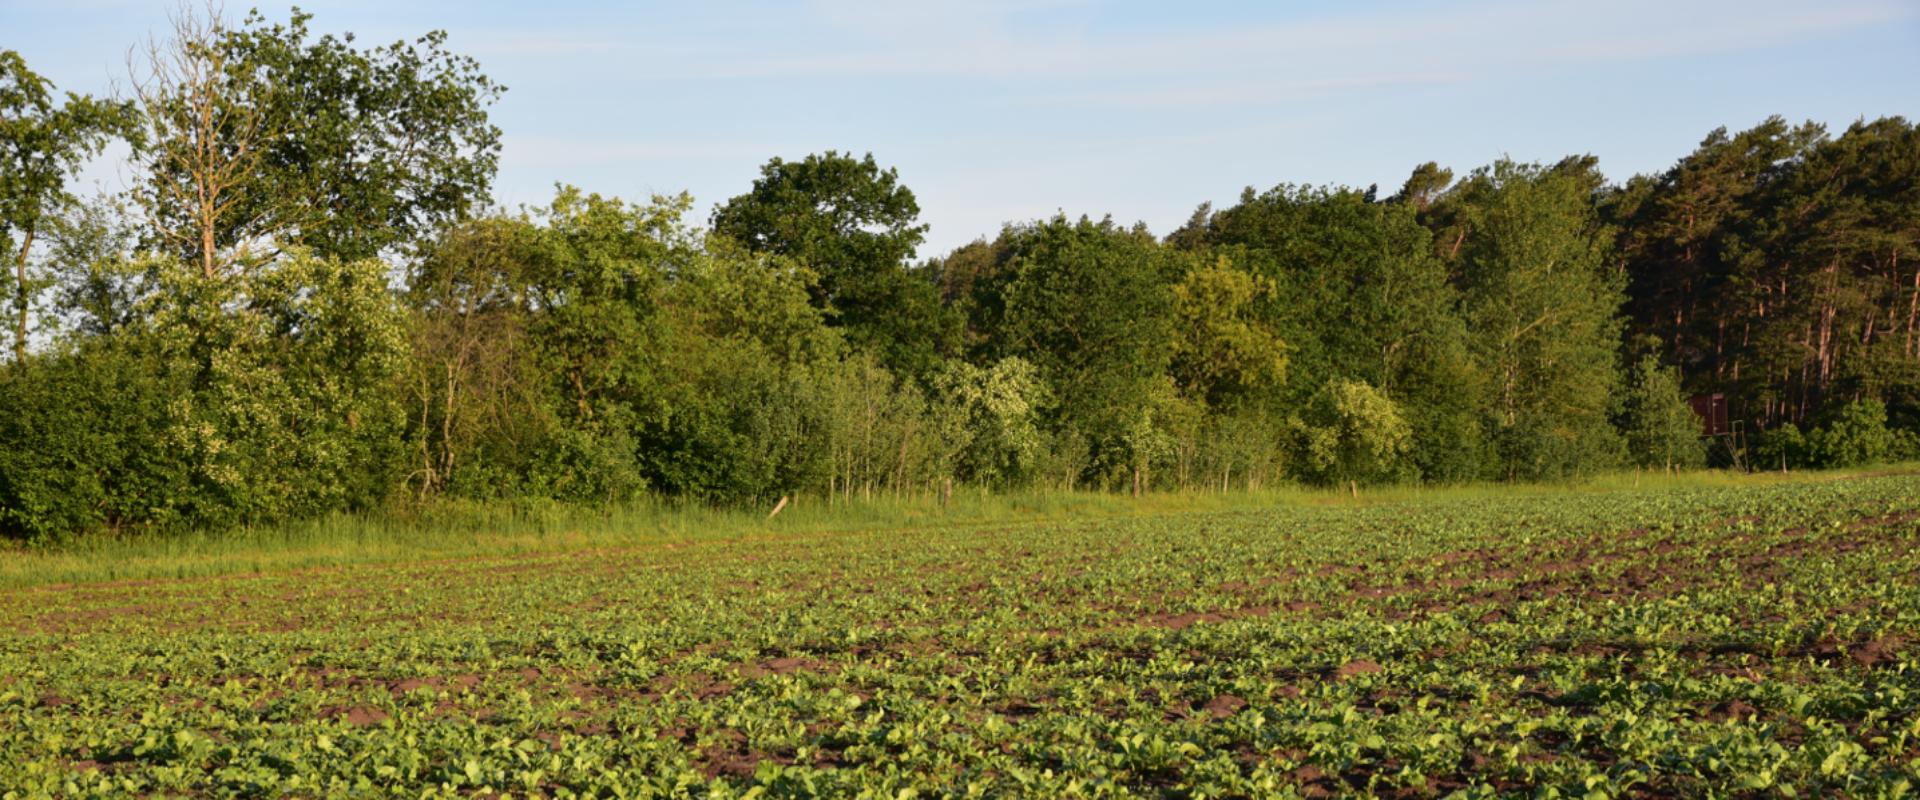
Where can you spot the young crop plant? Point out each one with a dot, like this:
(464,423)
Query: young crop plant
(1750,642)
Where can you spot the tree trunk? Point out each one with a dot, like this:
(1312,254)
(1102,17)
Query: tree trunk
(1828,310)
(1913,312)
(20,340)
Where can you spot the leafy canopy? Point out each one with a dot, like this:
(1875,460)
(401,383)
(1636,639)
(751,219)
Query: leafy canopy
(855,226)
(41,145)
(312,142)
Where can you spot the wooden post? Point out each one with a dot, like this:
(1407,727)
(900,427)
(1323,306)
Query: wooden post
(777,506)
(1354,488)
(946,492)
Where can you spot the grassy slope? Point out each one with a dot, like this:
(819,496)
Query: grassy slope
(499,531)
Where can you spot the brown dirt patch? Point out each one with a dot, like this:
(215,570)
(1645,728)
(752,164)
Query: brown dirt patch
(783,666)
(1224,706)
(1356,667)
(1181,620)
(357,716)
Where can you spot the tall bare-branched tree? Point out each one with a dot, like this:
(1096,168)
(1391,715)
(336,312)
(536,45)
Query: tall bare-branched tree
(209,123)
(261,136)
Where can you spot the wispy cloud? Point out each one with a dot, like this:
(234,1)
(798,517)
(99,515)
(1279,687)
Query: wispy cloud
(549,151)
(1053,46)
(556,45)
(1196,94)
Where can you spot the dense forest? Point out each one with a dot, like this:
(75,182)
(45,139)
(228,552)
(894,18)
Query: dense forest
(308,304)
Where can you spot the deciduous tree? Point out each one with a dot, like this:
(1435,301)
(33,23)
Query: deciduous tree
(1542,301)
(1661,431)
(1088,304)
(260,137)
(41,145)
(855,226)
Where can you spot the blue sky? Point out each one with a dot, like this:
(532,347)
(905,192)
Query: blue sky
(1001,110)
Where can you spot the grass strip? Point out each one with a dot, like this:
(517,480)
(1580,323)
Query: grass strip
(501,530)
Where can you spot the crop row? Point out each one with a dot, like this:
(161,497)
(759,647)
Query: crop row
(1750,642)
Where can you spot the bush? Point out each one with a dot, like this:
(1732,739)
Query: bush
(1353,432)
(84,445)
(1784,447)
(1541,447)
(228,401)
(294,367)
(1660,430)
(1855,434)
(987,418)
(1906,446)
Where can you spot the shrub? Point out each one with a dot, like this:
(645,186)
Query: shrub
(1353,432)
(1855,434)
(1660,430)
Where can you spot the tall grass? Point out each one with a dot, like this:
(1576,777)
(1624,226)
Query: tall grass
(481,531)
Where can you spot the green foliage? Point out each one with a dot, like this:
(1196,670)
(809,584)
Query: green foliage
(853,224)
(1685,220)
(751,371)
(594,348)
(477,397)
(1804,243)
(727,293)
(1784,448)
(969,279)
(1088,304)
(1905,446)
(847,218)
(1353,432)
(1660,429)
(1536,446)
(1221,352)
(988,419)
(1360,297)
(292,412)
(264,135)
(1150,436)
(1246,449)
(231,402)
(742,427)
(1425,186)
(40,146)
(254,362)
(877,431)
(1855,434)
(100,286)
(1541,297)
(89,444)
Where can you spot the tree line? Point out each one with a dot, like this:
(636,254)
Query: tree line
(307,304)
